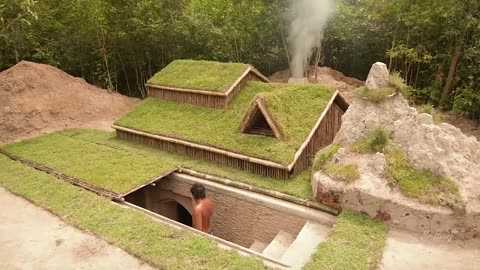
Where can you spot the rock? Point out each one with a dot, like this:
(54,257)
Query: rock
(378,76)
(339,155)
(378,163)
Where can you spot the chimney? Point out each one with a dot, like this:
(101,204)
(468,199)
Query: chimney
(302,80)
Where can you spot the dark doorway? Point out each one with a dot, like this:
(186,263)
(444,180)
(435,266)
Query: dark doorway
(184,216)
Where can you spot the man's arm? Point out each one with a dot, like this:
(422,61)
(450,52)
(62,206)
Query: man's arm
(197,218)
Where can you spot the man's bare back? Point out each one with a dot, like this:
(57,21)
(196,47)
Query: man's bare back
(202,210)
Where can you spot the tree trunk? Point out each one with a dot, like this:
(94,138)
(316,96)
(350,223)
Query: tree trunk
(451,73)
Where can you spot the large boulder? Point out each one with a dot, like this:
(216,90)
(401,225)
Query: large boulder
(378,76)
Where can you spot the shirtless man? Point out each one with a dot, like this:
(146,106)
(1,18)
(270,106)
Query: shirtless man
(202,210)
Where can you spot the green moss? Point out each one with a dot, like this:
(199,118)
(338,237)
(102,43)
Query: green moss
(373,142)
(324,155)
(423,185)
(78,147)
(342,172)
(355,242)
(201,75)
(376,96)
(133,231)
(295,108)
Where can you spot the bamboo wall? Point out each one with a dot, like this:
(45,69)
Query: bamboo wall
(206,155)
(200,98)
(323,136)
(211,101)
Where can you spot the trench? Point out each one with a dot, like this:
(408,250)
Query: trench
(247,219)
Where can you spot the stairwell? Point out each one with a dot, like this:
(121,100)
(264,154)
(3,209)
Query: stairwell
(294,251)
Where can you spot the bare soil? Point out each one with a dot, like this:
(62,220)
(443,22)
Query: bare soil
(37,99)
(429,250)
(32,238)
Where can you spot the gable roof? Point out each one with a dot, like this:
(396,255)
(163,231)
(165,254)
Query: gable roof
(259,121)
(295,108)
(206,76)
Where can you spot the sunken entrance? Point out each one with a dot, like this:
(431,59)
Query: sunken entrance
(245,218)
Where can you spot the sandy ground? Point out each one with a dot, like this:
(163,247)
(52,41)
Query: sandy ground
(32,238)
(429,251)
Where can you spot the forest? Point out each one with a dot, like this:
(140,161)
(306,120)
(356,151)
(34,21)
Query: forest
(119,44)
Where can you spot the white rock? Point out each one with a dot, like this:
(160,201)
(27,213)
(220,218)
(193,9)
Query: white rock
(378,76)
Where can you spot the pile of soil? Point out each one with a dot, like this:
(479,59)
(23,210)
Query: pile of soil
(327,76)
(37,99)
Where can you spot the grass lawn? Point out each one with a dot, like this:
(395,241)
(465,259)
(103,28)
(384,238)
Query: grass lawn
(87,154)
(355,242)
(200,75)
(112,169)
(133,231)
(295,108)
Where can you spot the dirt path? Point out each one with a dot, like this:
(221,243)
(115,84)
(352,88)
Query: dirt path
(32,238)
(412,252)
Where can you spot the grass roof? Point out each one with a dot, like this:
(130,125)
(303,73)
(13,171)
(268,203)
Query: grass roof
(103,160)
(295,108)
(199,75)
(115,170)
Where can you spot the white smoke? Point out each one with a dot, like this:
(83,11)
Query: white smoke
(308,20)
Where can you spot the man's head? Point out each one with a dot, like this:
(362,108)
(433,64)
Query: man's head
(198,191)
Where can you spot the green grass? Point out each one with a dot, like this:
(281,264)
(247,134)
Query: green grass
(377,95)
(324,155)
(201,75)
(69,151)
(355,242)
(373,142)
(342,172)
(422,185)
(133,231)
(105,167)
(295,108)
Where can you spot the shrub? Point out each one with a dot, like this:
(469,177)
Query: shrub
(375,141)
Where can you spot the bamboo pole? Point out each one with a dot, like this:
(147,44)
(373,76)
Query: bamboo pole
(186,90)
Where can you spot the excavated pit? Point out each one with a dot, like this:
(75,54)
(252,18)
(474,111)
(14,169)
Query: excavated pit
(245,218)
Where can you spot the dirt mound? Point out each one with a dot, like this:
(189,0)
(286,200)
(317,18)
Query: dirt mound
(327,76)
(37,98)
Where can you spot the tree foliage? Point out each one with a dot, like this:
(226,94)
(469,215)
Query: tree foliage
(119,44)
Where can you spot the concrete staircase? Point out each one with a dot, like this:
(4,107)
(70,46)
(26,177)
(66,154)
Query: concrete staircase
(294,251)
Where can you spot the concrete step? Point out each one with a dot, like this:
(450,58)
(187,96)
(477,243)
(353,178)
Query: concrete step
(258,246)
(305,244)
(279,245)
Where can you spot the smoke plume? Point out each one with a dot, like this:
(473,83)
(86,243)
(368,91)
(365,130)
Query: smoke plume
(308,20)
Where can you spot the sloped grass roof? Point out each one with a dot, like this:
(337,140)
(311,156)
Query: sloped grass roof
(295,108)
(199,75)
(79,148)
(105,167)
(157,243)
